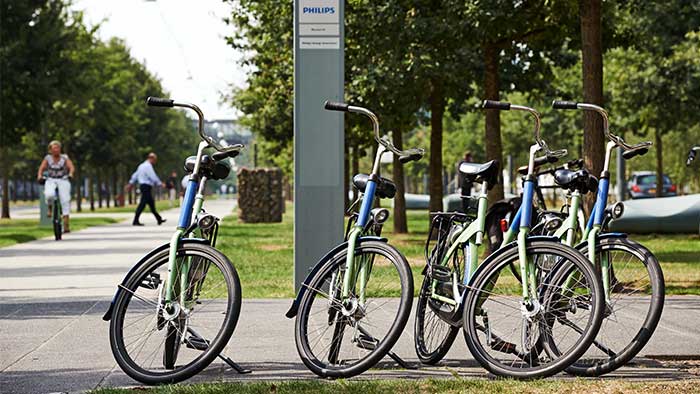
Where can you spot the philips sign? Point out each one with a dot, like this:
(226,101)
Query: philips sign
(319,11)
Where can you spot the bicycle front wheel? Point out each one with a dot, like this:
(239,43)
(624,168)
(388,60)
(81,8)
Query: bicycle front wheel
(633,310)
(156,346)
(57,221)
(340,337)
(541,338)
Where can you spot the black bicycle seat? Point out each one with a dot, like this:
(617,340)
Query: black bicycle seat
(385,187)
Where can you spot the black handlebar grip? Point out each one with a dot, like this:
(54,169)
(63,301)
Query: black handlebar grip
(490,104)
(540,161)
(335,106)
(223,155)
(412,155)
(628,154)
(557,104)
(159,102)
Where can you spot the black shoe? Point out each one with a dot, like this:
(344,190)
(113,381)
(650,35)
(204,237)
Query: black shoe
(136,224)
(161,221)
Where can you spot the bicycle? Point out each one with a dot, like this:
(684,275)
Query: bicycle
(463,293)
(631,274)
(56,211)
(184,292)
(347,318)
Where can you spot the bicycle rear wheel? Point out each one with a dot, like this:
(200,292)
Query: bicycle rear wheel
(154,346)
(340,338)
(635,304)
(434,335)
(521,341)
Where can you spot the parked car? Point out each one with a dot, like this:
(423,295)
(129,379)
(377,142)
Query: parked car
(642,184)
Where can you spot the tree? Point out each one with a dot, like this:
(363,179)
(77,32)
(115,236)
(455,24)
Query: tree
(37,37)
(592,55)
(514,40)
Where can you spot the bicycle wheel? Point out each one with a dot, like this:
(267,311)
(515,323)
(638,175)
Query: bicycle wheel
(147,343)
(521,341)
(340,338)
(635,304)
(57,221)
(433,334)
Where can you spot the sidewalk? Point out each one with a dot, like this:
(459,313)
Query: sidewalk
(53,296)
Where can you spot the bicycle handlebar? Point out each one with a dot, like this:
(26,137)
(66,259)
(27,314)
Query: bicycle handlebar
(405,156)
(163,102)
(630,150)
(504,106)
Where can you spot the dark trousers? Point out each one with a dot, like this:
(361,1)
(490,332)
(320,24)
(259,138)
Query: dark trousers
(146,198)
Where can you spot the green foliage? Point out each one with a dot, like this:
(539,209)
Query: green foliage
(59,81)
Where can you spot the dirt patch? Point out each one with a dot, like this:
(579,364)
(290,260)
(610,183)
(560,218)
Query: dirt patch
(272,247)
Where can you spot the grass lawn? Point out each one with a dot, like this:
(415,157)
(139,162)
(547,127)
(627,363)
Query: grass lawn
(13,231)
(263,254)
(457,385)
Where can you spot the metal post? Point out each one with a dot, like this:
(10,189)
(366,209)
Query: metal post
(318,134)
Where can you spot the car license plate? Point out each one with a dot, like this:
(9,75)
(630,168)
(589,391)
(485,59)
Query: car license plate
(652,191)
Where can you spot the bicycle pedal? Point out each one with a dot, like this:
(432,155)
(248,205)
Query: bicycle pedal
(365,342)
(441,273)
(197,343)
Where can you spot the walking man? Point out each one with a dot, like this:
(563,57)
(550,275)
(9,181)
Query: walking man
(146,177)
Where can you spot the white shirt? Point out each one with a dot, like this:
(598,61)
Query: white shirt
(145,175)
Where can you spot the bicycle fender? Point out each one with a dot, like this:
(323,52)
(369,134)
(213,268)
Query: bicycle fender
(583,245)
(108,315)
(503,250)
(295,303)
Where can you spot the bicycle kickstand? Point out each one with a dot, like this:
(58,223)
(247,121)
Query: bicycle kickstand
(400,361)
(234,365)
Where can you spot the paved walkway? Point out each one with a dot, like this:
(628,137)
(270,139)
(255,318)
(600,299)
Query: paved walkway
(52,338)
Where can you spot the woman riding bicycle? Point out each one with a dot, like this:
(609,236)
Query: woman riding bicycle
(59,169)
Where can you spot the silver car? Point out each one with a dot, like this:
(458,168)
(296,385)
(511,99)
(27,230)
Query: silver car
(642,184)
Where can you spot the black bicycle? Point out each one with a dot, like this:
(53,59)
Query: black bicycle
(56,212)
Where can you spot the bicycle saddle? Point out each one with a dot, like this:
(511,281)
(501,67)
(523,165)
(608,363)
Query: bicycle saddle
(476,172)
(579,180)
(208,167)
(385,187)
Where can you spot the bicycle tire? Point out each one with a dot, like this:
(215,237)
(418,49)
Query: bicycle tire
(422,345)
(483,282)
(651,320)
(383,346)
(213,348)
(56,219)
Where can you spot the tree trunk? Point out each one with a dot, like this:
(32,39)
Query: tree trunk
(400,225)
(78,191)
(437,110)
(99,189)
(108,187)
(659,163)
(91,193)
(592,54)
(494,149)
(5,168)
